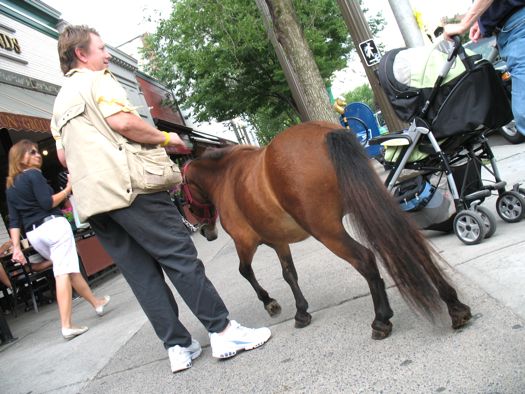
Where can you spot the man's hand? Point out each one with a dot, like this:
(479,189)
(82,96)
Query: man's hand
(453,29)
(177,145)
(475,32)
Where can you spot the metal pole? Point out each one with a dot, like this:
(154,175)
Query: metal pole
(407,23)
(360,32)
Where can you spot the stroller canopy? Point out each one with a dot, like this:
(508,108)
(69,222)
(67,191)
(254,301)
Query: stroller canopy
(470,97)
(418,68)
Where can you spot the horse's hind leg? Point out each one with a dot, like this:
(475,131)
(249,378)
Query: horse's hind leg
(302,317)
(245,254)
(363,260)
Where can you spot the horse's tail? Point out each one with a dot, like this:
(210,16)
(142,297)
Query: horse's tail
(380,222)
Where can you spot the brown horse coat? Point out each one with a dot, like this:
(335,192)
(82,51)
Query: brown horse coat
(303,183)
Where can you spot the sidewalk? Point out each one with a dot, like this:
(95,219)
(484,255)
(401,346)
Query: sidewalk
(120,352)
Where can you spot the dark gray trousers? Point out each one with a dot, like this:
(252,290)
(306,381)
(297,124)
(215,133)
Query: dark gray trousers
(147,238)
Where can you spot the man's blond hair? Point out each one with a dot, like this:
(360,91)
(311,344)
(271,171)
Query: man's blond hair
(71,38)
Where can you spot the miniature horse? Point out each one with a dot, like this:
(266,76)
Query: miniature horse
(301,185)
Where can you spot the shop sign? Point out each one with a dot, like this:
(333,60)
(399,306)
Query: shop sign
(24,122)
(9,43)
(25,82)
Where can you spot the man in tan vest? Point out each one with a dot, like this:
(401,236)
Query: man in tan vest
(141,231)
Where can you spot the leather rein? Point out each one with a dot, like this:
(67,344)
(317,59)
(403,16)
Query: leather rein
(210,213)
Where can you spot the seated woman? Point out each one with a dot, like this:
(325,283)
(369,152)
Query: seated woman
(38,263)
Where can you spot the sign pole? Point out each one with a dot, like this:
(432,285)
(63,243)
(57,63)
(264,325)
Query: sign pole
(362,38)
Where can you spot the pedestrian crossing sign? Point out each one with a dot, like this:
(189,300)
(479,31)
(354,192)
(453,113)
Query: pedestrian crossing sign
(370,52)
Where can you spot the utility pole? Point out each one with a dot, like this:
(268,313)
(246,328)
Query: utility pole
(360,33)
(407,23)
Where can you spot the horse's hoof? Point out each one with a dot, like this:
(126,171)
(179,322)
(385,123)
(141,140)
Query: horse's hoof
(381,330)
(273,308)
(303,321)
(460,316)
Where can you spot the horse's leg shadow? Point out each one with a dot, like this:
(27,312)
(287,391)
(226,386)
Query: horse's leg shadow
(302,317)
(245,254)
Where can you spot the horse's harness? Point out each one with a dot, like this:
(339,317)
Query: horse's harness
(210,213)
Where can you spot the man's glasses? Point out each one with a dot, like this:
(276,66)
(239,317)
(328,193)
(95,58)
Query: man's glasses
(34,152)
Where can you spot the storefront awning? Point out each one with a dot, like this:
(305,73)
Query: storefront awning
(24,123)
(22,109)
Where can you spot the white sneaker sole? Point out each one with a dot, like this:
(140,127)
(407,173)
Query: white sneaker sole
(230,353)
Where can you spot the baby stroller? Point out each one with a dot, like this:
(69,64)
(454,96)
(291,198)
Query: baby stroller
(435,166)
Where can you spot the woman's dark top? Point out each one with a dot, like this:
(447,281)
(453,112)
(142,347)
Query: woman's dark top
(30,200)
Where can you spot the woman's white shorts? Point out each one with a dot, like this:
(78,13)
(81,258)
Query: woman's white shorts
(55,241)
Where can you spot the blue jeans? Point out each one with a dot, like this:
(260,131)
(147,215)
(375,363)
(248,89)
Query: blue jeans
(511,43)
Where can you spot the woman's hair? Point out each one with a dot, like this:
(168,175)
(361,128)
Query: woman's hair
(71,38)
(16,157)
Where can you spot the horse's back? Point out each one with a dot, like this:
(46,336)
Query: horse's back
(299,154)
(308,132)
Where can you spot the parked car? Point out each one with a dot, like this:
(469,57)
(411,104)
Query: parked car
(488,49)
(383,128)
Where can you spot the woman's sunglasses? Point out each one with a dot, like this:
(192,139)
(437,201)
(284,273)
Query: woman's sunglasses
(34,152)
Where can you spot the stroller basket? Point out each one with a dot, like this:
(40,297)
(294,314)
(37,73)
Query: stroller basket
(469,99)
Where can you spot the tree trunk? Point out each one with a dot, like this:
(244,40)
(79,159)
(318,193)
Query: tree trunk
(299,58)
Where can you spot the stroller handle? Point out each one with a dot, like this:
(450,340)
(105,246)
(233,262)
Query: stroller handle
(457,46)
(456,50)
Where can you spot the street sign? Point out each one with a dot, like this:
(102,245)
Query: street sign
(370,52)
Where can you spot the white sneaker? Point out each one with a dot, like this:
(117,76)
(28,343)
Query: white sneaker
(181,357)
(237,338)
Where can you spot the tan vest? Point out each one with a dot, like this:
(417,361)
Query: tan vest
(98,167)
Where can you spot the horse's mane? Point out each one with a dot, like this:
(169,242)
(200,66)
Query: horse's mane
(219,153)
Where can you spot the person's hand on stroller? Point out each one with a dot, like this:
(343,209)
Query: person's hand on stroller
(453,29)
(469,20)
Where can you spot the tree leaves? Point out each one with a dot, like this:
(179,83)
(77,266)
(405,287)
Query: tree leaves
(217,58)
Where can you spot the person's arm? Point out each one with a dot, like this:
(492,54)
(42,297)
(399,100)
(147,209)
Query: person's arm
(45,199)
(475,11)
(61,155)
(63,194)
(136,129)
(17,251)
(122,117)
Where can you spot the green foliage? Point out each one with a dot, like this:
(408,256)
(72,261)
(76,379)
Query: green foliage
(362,94)
(268,123)
(217,58)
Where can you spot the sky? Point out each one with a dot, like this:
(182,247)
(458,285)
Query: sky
(119,21)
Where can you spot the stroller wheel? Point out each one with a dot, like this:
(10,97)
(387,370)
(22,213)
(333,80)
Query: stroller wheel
(510,206)
(489,220)
(469,227)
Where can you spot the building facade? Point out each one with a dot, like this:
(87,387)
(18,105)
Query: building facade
(30,79)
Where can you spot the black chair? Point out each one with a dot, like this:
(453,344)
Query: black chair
(29,286)
(6,301)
